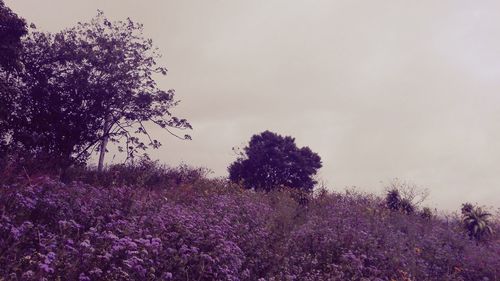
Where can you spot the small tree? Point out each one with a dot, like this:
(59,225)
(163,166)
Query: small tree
(426,213)
(466,208)
(404,197)
(393,200)
(86,85)
(476,222)
(271,160)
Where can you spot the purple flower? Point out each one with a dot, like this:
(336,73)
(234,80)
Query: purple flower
(46,268)
(28,274)
(85,243)
(83,277)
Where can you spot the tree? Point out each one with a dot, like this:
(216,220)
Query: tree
(395,202)
(86,85)
(426,213)
(271,160)
(476,222)
(404,196)
(12,29)
(466,208)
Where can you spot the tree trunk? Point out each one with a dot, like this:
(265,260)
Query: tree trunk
(104,143)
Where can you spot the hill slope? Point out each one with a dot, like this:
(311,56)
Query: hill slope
(211,230)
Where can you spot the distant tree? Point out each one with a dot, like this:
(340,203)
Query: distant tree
(476,222)
(426,213)
(467,208)
(86,85)
(393,200)
(406,206)
(271,160)
(404,197)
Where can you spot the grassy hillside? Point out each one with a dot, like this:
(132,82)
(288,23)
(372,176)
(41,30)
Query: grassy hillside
(178,225)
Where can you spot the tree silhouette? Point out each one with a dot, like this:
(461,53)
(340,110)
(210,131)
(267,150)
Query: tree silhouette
(476,222)
(271,160)
(88,84)
(12,29)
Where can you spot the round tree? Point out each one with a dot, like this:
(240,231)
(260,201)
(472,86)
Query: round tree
(271,160)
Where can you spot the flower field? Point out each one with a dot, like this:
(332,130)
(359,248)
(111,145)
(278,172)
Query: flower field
(213,230)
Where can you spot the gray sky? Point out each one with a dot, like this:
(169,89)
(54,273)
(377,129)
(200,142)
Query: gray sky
(379,89)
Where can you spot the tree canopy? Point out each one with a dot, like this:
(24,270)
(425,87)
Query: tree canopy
(12,28)
(271,160)
(87,83)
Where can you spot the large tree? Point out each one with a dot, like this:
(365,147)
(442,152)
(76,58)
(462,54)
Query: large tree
(86,85)
(12,29)
(271,160)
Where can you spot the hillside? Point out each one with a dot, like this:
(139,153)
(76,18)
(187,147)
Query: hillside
(201,229)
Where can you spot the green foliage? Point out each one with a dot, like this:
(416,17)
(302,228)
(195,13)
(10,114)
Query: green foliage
(406,206)
(426,213)
(213,230)
(467,208)
(393,200)
(405,197)
(143,173)
(84,84)
(12,29)
(476,222)
(271,160)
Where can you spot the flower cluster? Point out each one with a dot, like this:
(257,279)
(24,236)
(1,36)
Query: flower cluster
(214,231)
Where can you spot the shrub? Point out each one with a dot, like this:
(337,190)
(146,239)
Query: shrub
(404,197)
(406,206)
(426,213)
(467,208)
(393,200)
(143,173)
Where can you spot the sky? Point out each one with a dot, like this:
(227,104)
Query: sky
(379,89)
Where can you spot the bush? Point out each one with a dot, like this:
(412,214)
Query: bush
(406,206)
(393,200)
(426,213)
(19,165)
(143,173)
(404,197)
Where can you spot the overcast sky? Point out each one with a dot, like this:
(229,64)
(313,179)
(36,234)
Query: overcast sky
(379,89)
